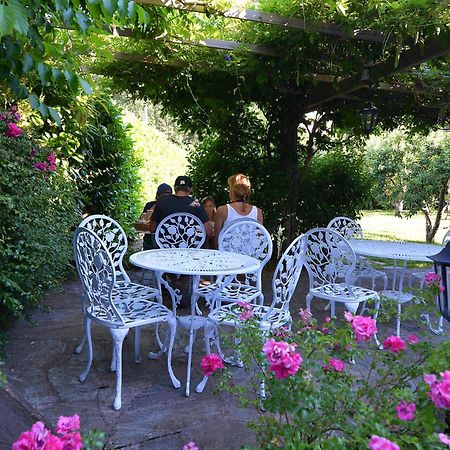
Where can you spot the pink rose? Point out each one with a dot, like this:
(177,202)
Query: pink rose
(13,130)
(283,359)
(56,443)
(52,168)
(334,364)
(190,446)
(363,327)
(439,390)
(444,439)
(247,311)
(348,316)
(381,443)
(305,315)
(51,158)
(67,424)
(72,441)
(211,363)
(405,410)
(42,166)
(432,281)
(26,441)
(413,339)
(394,343)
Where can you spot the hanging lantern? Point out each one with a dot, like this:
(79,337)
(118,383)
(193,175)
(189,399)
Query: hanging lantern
(369,116)
(442,268)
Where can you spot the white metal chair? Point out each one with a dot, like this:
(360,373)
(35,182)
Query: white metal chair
(117,306)
(350,229)
(180,230)
(115,240)
(284,282)
(247,237)
(330,262)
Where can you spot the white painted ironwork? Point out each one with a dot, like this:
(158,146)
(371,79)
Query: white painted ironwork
(270,317)
(196,262)
(330,262)
(118,306)
(180,230)
(350,229)
(247,237)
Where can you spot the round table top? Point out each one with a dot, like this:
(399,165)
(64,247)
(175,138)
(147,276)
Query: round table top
(190,261)
(406,251)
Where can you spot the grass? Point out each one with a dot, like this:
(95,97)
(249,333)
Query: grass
(384,225)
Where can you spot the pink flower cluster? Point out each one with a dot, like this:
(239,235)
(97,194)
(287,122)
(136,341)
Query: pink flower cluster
(190,446)
(334,364)
(405,410)
(363,327)
(305,316)
(439,390)
(211,363)
(444,439)
(395,344)
(13,130)
(247,311)
(44,166)
(9,119)
(283,359)
(432,281)
(40,438)
(381,443)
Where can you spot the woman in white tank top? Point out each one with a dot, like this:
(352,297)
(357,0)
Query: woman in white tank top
(238,207)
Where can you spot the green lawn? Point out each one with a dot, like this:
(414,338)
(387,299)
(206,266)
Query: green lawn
(384,225)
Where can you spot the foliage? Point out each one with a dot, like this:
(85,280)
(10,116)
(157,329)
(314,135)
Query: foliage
(37,213)
(411,168)
(328,385)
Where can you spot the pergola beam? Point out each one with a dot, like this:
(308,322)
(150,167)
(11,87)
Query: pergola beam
(433,48)
(271,19)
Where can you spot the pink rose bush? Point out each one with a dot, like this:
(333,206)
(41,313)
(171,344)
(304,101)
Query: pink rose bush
(381,443)
(40,438)
(334,364)
(211,363)
(444,439)
(8,123)
(363,327)
(433,281)
(283,359)
(395,344)
(190,446)
(45,166)
(247,311)
(439,390)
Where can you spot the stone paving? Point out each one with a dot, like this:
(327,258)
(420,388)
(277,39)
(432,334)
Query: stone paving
(43,384)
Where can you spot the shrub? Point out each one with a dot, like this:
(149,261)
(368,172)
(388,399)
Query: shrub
(37,213)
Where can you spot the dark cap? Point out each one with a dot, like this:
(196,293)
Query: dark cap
(183,182)
(164,187)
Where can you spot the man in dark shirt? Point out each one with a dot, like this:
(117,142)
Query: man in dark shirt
(181,201)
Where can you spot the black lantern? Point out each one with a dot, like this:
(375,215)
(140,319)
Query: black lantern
(442,268)
(369,117)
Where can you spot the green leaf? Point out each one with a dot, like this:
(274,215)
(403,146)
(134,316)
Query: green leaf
(27,63)
(67,15)
(85,86)
(142,15)
(72,80)
(109,7)
(20,16)
(43,109)
(123,8)
(57,76)
(95,10)
(21,92)
(82,21)
(34,101)
(44,72)
(54,115)
(132,10)
(6,20)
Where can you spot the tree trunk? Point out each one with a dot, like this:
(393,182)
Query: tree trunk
(430,227)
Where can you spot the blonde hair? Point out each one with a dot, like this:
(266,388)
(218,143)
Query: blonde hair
(240,186)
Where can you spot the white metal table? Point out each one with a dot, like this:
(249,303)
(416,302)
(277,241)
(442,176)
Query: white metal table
(196,263)
(397,251)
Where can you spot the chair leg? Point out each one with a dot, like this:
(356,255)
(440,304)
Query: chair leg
(172,323)
(162,344)
(137,345)
(209,331)
(399,315)
(83,340)
(84,375)
(333,309)
(309,297)
(385,282)
(118,335)
(375,316)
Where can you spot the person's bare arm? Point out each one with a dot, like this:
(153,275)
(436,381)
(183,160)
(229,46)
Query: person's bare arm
(259,216)
(152,226)
(221,216)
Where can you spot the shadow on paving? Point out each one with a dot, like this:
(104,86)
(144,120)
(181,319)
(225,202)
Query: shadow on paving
(43,384)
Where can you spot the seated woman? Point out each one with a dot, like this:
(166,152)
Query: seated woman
(238,207)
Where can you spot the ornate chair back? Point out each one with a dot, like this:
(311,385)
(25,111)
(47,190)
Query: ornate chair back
(114,239)
(96,270)
(346,227)
(328,257)
(180,230)
(248,237)
(446,238)
(286,275)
